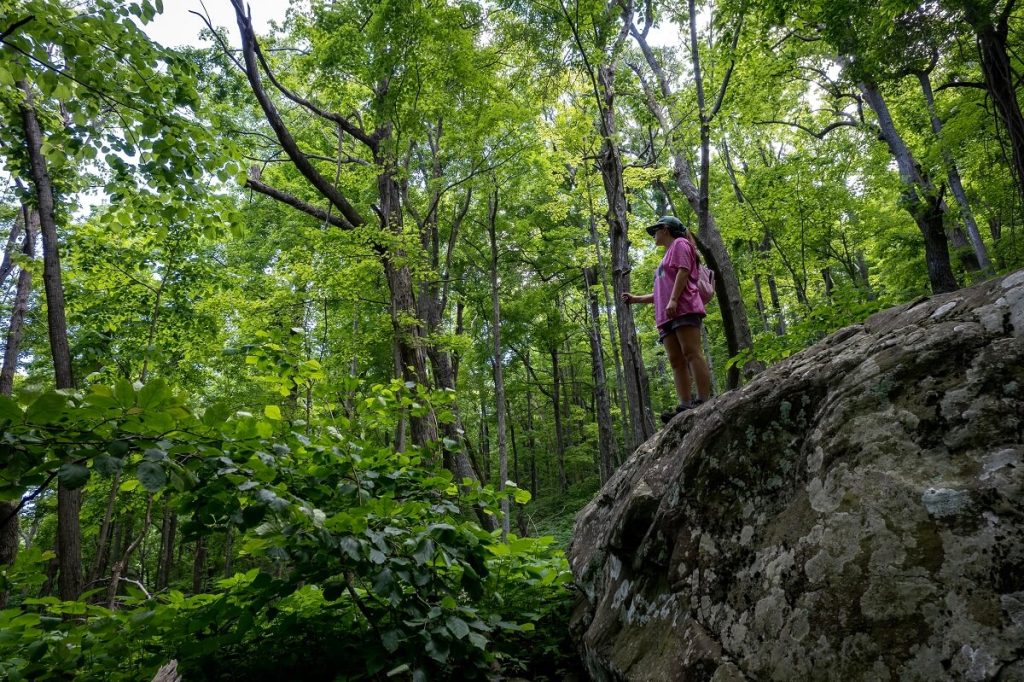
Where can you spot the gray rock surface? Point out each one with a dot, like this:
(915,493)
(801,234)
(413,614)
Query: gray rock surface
(854,513)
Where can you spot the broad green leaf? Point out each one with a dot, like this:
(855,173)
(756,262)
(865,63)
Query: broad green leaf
(151,475)
(153,393)
(124,392)
(273,412)
(72,476)
(9,410)
(46,409)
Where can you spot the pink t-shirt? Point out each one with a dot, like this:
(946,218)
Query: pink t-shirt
(678,256)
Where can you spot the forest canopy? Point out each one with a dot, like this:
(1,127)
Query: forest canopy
(315,337)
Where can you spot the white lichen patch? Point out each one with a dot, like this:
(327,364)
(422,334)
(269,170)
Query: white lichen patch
(746,535)
(943,502)
(1008,457)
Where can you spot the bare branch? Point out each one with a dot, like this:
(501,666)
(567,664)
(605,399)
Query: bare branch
(297,203)
(284,136)
(820,134)
(16,25)
(728,72)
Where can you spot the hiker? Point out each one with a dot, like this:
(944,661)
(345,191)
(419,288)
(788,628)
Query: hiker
(678,311)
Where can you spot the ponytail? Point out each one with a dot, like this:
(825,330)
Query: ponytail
(693,243)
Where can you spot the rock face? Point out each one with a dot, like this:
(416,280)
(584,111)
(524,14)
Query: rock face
(854,513)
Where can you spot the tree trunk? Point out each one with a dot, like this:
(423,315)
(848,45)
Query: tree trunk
(1000,80)
(499,376)
(605,435)
(99,562)
(556,380)
(610,161)
(613,337)
(229,552)
(165,560)
(69,502)
(920,198)
(121,563)
(953,175)
(199,566)
(17,323)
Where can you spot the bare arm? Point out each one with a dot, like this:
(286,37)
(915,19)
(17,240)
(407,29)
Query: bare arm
(677,290)
(633,298)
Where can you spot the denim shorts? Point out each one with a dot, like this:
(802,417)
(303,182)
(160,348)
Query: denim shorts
(687,320)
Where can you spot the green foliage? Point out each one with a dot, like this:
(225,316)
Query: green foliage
(368,548)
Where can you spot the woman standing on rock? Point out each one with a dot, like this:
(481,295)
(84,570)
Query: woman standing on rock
(678,311)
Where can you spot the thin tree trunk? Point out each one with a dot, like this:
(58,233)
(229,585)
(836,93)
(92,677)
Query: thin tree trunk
(69,502)
(165,560)
(920,198)
(199,566)
(99,562)
(563,482)
(953,175)
(610,161)
(605,435)
(613,336)
(229,552)
(499,376)
(17,323)
(531,444)
(1000,79)
(762,311)
(122,563)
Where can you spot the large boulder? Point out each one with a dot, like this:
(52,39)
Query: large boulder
(854,513)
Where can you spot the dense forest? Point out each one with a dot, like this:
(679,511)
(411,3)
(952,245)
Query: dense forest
(314,339)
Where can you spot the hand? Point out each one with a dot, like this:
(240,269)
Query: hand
(670,309)
(628,297)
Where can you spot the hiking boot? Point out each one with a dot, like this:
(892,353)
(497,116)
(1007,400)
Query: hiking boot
(667,415)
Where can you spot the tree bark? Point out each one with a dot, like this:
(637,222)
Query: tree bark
(556,405)
(69,502)
(920,198)
(499,375)
(1000,79)
(199,566)
(610,161)
(953,176)
(605,435)
(122,562)
(165,560)
(613,337)
(17,323)
(99,562)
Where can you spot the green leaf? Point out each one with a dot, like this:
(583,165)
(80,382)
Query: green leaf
(151,475)
(521,496)
(106,465)
(478,640)
(457,626)
(153,393)
(273,412)
(9,410)
(424,551)
(72,476)
(46,409)
(124,392)
(216,414)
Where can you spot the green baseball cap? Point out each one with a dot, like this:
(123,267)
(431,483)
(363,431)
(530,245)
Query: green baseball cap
(674,225)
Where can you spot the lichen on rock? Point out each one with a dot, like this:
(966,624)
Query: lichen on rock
(853,513)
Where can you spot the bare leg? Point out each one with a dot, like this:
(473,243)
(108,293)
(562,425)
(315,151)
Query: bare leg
(680,371)
(688,339)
